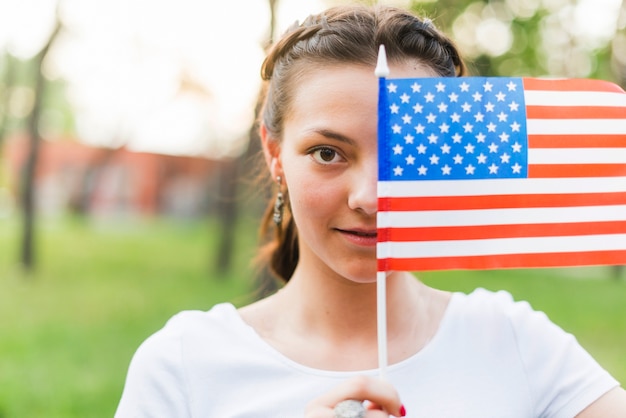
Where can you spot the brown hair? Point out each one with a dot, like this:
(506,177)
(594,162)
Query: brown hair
(340,35)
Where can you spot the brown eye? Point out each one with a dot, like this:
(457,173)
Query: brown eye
(325,155)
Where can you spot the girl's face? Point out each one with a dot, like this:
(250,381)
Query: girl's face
(328,160)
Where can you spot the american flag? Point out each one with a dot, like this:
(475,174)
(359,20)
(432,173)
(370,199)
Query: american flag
(490,172)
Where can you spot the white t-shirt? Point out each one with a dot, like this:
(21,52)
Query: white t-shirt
(491,357)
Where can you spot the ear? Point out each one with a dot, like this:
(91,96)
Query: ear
(271,151)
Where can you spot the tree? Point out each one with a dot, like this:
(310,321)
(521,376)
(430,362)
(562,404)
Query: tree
(618,48)
(27,257)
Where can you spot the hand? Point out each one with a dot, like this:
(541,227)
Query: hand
(380,397)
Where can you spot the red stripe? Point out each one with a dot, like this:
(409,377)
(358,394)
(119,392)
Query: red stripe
(576,141)
(570,84)
(575,112)
(410,204)
(453,233)
(586,258)
(576,170)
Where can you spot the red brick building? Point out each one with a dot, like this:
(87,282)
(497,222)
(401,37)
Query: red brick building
(73,176)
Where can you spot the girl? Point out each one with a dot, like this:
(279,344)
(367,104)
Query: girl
(311,346)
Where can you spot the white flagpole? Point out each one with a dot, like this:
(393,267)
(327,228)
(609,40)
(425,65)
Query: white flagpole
(382,71)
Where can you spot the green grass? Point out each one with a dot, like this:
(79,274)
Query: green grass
(68,332)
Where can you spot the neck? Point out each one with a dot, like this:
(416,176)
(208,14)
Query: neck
(340,309)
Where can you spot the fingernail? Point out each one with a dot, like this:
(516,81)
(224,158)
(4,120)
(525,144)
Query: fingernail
(402,411)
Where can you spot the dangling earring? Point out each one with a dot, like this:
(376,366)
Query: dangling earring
(279,204)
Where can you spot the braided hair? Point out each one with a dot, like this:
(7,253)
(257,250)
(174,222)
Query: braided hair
(340,35)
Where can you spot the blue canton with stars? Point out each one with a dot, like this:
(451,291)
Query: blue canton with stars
(454,129)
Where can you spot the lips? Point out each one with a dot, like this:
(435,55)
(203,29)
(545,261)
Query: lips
(364,237)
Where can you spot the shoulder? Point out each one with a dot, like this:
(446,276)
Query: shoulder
(157,382)
(197,324)
(490,306)
(562,377)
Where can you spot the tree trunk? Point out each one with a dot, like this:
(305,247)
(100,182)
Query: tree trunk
(618,48)
(27,256)
(227,212)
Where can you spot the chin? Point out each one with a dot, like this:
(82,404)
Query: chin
(360,275)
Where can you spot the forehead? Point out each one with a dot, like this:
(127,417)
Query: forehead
(350,84)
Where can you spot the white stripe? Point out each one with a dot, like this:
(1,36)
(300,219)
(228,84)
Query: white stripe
(577,155)
(433,188)
(574,98)
(504,246)
(576,126)
(516,216)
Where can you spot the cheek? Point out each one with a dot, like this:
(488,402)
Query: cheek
(312,197)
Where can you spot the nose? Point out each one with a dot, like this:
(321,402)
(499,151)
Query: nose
(363,194)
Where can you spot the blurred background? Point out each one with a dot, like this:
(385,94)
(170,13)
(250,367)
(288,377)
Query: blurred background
(128,183)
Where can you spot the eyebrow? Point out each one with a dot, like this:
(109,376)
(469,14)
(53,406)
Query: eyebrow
(333,135)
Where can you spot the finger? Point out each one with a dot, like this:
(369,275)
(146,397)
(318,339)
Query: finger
(376,391)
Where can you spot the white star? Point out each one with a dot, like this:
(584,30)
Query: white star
(455,117)
(491,127)
(487,86)
(409,138)
(419,129)
(489,107)
(470,169)
(513,106)
(410,160)
(416,88)
(515,127)
(482,158)
(432,139)
(477,97)
(431,118)
(505,158)
(512,86)
(466,107)
(407,119)
(481,137)
(493,148)
(502,117)
(500,96)
(396,129)
(429,97)
(446,169)
(493,169)
(468,127)
(398,171)
(456,138)
(445,149)
(453,97)
(422,170)
(397,150)
(434,159)
(479,117)
(504,137)
(394,108)
(421,149)
(464,86)
(469,149)
(444,128)
(405,98)
(392,88)
(440,87)
(418,108)
(517,147)
(517,169)
(458,159)
(442,107)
